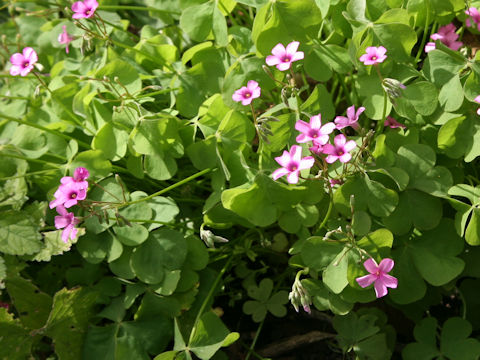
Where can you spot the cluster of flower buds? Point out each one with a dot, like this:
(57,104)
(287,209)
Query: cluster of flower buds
(299,296)
(209,238)
(393,87)
(69,193)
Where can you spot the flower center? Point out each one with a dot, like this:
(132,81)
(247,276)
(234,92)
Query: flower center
(73,195)
(88,12)
(26,63)
(286,58)
(340,152)
(374,57)
(247,94)
(292,167)
(313,133)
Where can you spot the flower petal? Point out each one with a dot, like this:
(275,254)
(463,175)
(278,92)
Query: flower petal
(366,280)
(285,159)
(17,59)
(386,265)
(304,127)
(306,163)
(61,222)
(380,289)
(329,149)
(279,50)
(340,140)
(371,266)
(299,55)
(292,48)
(345,158)
(30,55)
(389,281)
(284,66)
(292,178)
(351,113)
(316,122)
(79,7)
(272,60)
(330,158)
(349,145)
(15,70)
(252,85)
(327,128)
(279,173)
(341,122)
(296,153)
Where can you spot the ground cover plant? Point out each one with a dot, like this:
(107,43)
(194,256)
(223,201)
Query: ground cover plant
(239,179)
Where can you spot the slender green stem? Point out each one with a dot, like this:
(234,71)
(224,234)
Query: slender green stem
(209,295)
(381,123)
(257,334)
(425,30)
(135,8)
(329,210)
(29,159)
(33,173)
(171,187)
(51,131)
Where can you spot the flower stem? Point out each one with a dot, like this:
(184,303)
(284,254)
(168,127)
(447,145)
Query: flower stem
(424,37)
(171,187)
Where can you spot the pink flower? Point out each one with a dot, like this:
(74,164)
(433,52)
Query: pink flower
(79,176)
(84,9)
(351,119)
(378,275)
(339,151)
(334,182)
(292,163)
(283,57)
(429,47)
(65,38)
(69,194)
(314,131)
(447,35)
(23,63)
(68,221)
(474,15)
(246,94)
(477,100)
(392,123)
(374,55)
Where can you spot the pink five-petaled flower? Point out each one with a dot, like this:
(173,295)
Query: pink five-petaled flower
(477,100)
(339,151)
(393,124)
(68,221)
(65,38)
(69,194)
(84,9)
(314,131)
(246,94)
(351,119)
(23,63)
(79,176)
(447,35)
(374,55)
(292,163)
(378,275)
(283,57)
(474,15)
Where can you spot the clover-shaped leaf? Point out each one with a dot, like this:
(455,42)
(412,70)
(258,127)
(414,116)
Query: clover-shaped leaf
(455,343)
(467,219)
(263,302)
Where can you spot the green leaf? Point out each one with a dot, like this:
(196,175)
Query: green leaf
(19,234)
(196,20)
(209,335)
(32,305)
(454,137)
(400,39)
(280,24)
(434,254)
(100,342)
(93,160)
(423,96)
(323,299)
(165,250)
(426,345)
(377,244)
(127,76)
(451,94)
(335,275)
(53,245)
(318,254)
(17,334)
(68,321)
(112,141)
(455,342)
(131,235)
